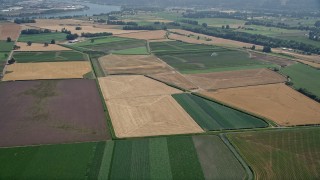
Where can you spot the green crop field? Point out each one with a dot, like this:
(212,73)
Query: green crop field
(303,76)
(212,116)
(43,37)
(97,41)
(69,161)
(3,60)
(50,56)
(6,46)
(192,58)
(281,154)
(219,22)
(133,51)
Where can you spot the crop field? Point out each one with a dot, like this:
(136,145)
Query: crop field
(132,64)
(312,64)
(51,56)
(219,22)
(133,51)
(43,37)
(230,79)
(40,47)
(6,46)
(174,158)
(47,70)
(282,154)
(212,116)
(129,86)
(147,35)
(303,76)
(3,60)
(67,161)
(192,58)
(49,112)
(11,30)
(272,59)
(276,102)
(174,78)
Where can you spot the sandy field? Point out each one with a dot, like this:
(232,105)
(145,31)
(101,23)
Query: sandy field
(147,35)
(230,79)
(46,70)
(9,30)
(124,86)
(215,40)
(150,116)
(132,64)
(276,102)
(40,47)
(174,78)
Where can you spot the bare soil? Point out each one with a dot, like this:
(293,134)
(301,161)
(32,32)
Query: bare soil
(11,30)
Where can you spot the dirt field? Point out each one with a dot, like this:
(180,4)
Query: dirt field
(276,102)
(174,78)
(272,59)
(46,70)
(215,41)
(51,112)
(150,116)
(230,79)
(114,87)
(132,64)
(147,35)
(40,47)
(9,30)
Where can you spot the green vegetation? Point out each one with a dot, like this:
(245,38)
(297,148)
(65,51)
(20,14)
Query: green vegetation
(6,46)
(282,154)
(133,51)
(3,60)
(212,116)
(97,41)
(219,22)
(304,77)
(50,56)
(43,37)
(192,58)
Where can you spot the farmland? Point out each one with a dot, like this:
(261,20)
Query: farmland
(9,30)
(43,37)
(132,64)
(229,79)
(47,70)
(284,154)
(133,51)
(147,35)
(303,76)
(6,46)
(48,112)
(276,102)
(51,56)
(40,47)
(212,116)
(191,58)
(280,61)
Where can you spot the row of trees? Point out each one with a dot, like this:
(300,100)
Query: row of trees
(187,21)
(139,28)
(35,31)
(24,20)
(88,35)
(122,23)
(280,25)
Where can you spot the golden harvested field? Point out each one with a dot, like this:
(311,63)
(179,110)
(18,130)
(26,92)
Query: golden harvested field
(311,58)
(11,30)
(230,79)
(40,47)
(316,65)
(46,70)
(174,78)
(215,40)
(132,64)
(276,102)
(124,86)
(147,35)
(150,116)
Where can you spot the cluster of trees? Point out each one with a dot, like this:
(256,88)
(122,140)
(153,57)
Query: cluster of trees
(173,24)
(122,23)
(35,31)
(89,35)
(317,24)
(72,36)
(24,20)
(187,21)
(64,30)
(78,28)
(314,35)
(101,21)
(139,28)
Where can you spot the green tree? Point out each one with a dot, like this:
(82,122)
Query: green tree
(29,43)
(205,25)
(223,27)
(317,24)
(267,49)
(46,44)
(53,41)
(227,27)
(92,40)
(9,39)
(253,47)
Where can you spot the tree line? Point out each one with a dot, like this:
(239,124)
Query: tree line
(35,31)
(109,22)
(24,20)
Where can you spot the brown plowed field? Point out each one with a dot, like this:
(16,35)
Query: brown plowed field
(272,59)
(46,70)
(174,78)
(51,112)
(114,87)
(230,79)
(11,30)
(276,102)
(132,64)
(150,116)
(147,35)
(40,47)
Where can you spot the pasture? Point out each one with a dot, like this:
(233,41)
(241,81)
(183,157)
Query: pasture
(50,112)
(304,76)
(212,116)
(43,37)
(282,154)
(276,102)
(193,58)
(11,30)
(49,56)
(6,46)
